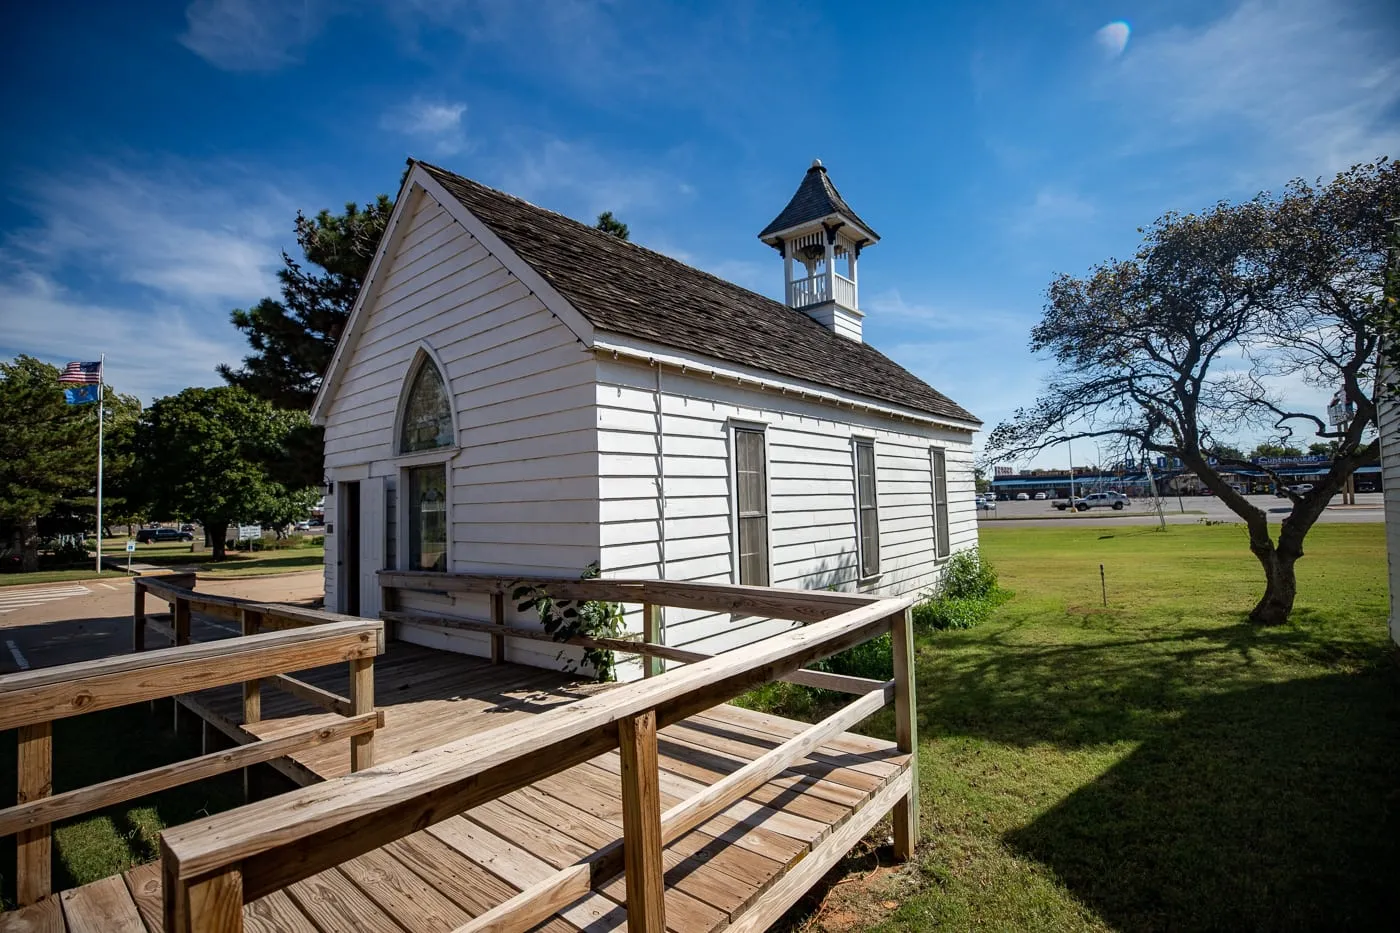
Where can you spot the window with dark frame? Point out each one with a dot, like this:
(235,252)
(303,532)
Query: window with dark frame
(751,500)
(940,501)
(866,506)
(426,514)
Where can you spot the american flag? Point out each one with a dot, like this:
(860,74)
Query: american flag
(82,373)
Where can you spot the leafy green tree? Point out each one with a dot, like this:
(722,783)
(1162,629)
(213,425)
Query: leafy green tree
(610,224)
(48,452)
(203,454)
(1188,340)
(1275,451)
(1322,449)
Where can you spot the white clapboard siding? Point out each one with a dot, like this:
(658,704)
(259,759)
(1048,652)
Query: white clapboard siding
(811,486)
(563,459)
(1389,418)
(523,478)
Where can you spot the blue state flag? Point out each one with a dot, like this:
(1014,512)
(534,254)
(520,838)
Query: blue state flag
(78,395)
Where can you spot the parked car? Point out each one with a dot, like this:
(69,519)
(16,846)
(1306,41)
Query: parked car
(149,535)
(1097,500)
(1022,497)
(1298,489)
(1040,497)
(986,503)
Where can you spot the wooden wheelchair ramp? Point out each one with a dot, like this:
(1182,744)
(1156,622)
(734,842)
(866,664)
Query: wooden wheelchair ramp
(505,798)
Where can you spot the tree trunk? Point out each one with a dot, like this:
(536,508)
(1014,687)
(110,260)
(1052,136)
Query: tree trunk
(29,545)
(216,534)
(1281,584)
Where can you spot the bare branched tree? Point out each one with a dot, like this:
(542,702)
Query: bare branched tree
(1212,328)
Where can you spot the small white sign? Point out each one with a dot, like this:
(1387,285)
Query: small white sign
(248,532)
(130,546)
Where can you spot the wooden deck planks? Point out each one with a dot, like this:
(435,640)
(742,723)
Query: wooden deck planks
(104,906)
(458,869)
(43,916)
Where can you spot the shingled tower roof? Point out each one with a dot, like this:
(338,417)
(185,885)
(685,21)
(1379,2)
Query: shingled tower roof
(816,198)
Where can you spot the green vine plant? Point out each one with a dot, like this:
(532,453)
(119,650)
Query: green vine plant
(570,618)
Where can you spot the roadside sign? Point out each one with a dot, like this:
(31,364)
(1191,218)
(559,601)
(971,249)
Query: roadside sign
(130,546)
(249,531)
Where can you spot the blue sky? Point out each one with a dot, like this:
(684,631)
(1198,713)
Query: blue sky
(156,157)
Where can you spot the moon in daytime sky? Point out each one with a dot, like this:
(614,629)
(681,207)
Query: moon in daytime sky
(1113,38)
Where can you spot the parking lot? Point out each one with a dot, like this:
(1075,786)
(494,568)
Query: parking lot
(1186,510)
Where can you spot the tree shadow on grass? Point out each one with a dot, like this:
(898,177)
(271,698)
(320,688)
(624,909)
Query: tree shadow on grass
(1274,807)
(1111,685)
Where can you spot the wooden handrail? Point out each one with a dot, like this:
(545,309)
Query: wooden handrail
(30,701)
(45,810)
(266,846)
(765,601)
(46,694)
(842,683)
(537,902)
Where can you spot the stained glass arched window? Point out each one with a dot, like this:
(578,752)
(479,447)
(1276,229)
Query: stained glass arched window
(427,414)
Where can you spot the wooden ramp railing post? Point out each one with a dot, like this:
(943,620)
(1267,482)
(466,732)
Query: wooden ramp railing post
(906,733)
(651,634)
(498,617)
(138,616)
(641,824)
(362,702)
(211,904)
(250,621)
(180,625)
(33,865)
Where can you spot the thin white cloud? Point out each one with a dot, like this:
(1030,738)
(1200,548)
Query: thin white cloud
(574,178)
(1277,87)
(178,232)
(1051,211)
(435,124)
(141,265)
(891,307)
(152,349)
(250,35)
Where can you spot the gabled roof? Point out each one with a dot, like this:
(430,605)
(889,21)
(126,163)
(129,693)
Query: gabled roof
(634,292)
(815,199)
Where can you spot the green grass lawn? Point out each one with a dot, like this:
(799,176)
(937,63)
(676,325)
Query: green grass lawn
(56,576)
(235,563)
(180,554)
(1158,764)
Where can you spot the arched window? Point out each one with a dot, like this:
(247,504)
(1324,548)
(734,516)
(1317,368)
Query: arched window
(427,413)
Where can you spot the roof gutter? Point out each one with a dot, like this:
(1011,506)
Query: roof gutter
(683,365)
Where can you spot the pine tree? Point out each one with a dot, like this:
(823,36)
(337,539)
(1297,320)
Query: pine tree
(610,224)
(294,337)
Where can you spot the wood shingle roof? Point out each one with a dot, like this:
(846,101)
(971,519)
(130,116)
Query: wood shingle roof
(632,291)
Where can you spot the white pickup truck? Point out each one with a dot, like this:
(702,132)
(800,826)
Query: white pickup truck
(1097,500)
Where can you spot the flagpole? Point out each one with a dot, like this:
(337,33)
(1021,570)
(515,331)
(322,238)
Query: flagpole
(101,405)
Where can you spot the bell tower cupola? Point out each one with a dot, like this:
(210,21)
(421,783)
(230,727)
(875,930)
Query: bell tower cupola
(820,239)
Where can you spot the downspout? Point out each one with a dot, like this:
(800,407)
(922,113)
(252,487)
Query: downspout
(660,476)
(660,502)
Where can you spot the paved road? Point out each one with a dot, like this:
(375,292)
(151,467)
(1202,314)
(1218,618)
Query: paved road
(64,622)
(1369,508)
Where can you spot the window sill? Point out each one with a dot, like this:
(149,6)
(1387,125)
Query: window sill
(426,457)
